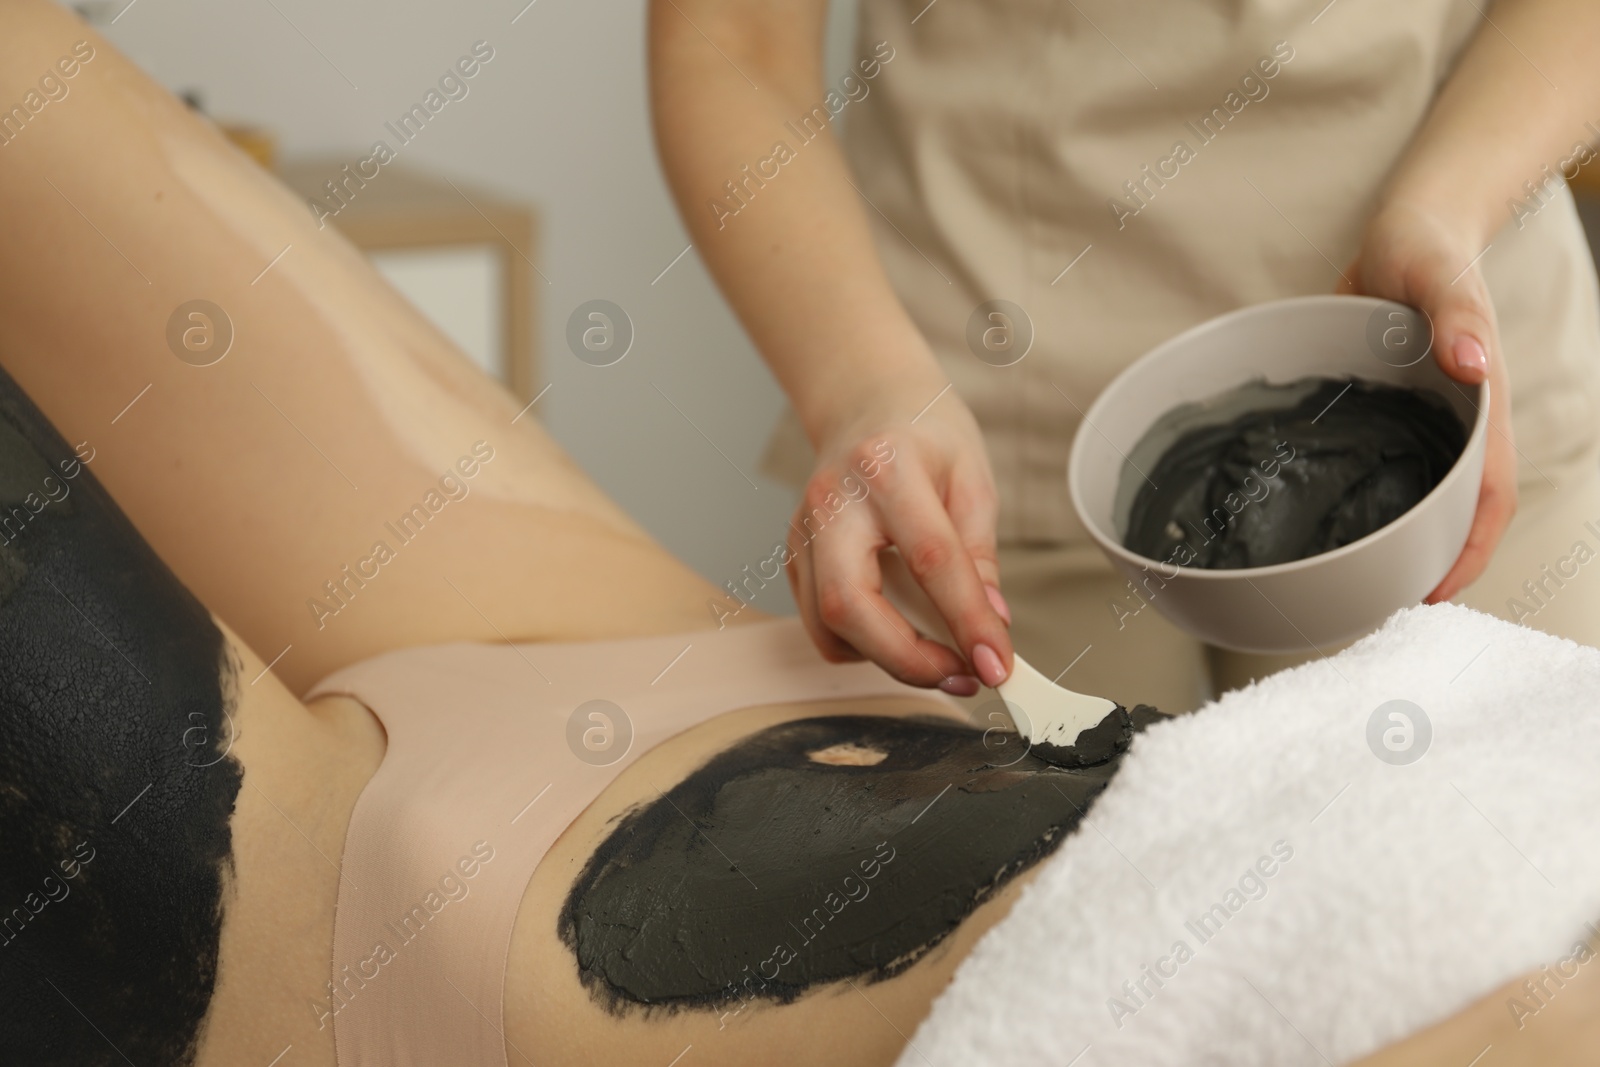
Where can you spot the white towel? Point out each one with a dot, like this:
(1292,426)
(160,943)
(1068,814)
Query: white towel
(1397,894)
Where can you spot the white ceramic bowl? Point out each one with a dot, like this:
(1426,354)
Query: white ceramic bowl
(1326,599)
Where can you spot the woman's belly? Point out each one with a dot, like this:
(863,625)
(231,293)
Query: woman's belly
(304,767)
(575,993)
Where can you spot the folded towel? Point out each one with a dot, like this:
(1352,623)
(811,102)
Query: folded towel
(1297,874)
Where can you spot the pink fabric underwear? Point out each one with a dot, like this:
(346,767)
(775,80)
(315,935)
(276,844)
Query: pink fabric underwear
(493,750)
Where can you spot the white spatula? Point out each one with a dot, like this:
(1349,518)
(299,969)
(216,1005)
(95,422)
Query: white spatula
(1051,714)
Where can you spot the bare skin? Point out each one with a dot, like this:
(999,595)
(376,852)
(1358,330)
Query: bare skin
(1564,1030)
(254,518)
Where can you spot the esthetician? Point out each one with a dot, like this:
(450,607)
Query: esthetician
(1115,173)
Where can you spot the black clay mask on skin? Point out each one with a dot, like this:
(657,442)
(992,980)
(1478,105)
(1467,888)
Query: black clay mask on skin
(811,852)
(1267,474)
(116,789)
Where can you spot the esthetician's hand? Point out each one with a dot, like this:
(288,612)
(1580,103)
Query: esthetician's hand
(925,487)
(1411,255)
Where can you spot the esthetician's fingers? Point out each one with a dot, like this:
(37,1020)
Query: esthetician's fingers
(1467,346)
(1497,503)
(802,573)
(851,604)
(1414,258)
(942,561)
(974,508)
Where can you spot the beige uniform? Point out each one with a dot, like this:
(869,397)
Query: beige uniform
(1123,171)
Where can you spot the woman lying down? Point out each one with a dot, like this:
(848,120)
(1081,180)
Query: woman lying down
(534,807)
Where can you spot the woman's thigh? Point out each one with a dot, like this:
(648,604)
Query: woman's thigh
(341,481)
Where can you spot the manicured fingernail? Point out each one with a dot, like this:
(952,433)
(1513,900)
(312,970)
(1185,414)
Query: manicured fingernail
(959,685)
(1470,354)
(990,669)
(998,603)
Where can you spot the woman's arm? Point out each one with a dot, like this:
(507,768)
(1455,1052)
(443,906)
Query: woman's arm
(1524,93)
(797,263)
(1525,96)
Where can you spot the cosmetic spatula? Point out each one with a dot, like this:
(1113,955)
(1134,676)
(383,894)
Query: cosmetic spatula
(1055,719)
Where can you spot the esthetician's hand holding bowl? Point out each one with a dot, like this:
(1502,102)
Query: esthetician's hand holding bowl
(1370,521)
(920,456)
(1413,254)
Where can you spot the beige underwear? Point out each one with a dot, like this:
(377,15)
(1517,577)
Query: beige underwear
(493,750)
